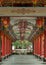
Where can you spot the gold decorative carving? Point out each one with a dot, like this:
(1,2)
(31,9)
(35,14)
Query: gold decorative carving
(23,11)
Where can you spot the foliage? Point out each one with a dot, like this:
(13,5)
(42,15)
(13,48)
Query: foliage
(21,44)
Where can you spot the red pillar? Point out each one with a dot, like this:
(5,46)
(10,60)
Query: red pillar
(44,38)
(9,46)
(39,45)
(0,47)
(42,45)
(34,47)
(3,44)
(39,23)
(45,45)
(6,45)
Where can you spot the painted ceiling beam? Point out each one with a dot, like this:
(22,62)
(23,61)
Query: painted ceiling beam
(22,2)
(23,11)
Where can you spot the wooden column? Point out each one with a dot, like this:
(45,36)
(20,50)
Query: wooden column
(3,44)
(42,45)
(45,39)
(0,47)
(34,46)
(45,45)
(9,42)
(0,41)
(10,47)
(7,46)
(37,46)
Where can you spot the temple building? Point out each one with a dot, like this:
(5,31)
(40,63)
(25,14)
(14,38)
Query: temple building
(23,32)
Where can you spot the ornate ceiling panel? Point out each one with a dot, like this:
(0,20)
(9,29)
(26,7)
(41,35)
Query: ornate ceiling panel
(22,26)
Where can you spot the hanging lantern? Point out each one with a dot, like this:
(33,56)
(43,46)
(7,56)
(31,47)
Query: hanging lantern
(39,22)
(5,22)
(34,2)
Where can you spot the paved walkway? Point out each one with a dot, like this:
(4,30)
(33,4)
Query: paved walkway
(22,60)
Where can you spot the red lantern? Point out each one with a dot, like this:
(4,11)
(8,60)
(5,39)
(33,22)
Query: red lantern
(39,22)
(5,22)
(34,1)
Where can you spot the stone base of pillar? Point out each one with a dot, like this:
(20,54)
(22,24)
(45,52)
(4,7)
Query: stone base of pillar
(0,59)
(44,60)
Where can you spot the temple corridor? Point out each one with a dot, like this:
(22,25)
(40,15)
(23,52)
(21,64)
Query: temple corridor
(23,40)
(22,32)
(22,60)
